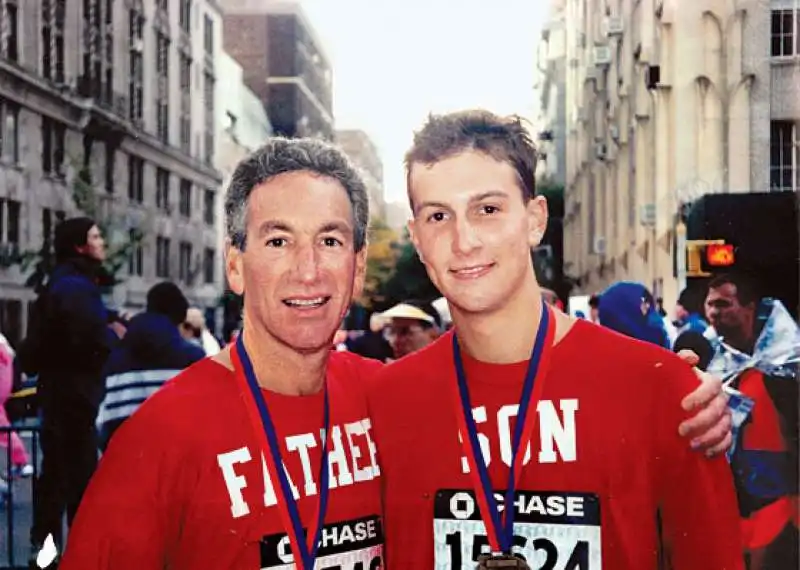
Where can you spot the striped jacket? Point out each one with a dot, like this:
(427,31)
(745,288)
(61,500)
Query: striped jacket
(150,354)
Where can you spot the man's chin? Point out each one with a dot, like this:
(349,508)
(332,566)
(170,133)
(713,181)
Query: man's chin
(308,344)
(475,302)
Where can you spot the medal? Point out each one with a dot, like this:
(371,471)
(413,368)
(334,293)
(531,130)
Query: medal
(304,546)
(487,561)
(500,528)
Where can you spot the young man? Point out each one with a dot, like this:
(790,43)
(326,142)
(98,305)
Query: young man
(229,462)
(597,460)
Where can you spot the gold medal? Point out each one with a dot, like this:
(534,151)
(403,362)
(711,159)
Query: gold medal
(486,561)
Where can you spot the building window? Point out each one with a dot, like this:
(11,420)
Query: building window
(162,72)
(185,17)
(9,29)
(162,190)
(186,103)
(208,99)
(185,261)
(135,179)
(9,134)
(162,257)
(209,199)
(53,147)
(9,220)
(111,158)
(786,32)
(96,81)
(53,21)
(48,227)
(185,204)
(162,54)
(784,156)
(209,265)
(208,34)
(136,259)
(136,62)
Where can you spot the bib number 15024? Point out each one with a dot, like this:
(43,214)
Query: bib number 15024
(540,553)
(552,530)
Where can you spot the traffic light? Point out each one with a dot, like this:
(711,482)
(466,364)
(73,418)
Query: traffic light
(704,257)
(720,255)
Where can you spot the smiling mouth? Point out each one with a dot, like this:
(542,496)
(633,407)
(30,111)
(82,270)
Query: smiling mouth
(306,302)
(472,271)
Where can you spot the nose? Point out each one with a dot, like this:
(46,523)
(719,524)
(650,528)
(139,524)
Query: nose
(466,238)
(307,264)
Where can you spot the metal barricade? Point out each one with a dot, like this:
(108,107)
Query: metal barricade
(17,510)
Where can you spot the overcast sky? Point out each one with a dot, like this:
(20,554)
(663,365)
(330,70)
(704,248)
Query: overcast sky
(394,62)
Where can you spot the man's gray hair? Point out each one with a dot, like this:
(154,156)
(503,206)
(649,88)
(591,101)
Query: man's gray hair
(281,155)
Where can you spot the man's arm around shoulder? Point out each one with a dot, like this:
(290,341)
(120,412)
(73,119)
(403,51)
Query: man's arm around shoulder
(129,515)
(696,494)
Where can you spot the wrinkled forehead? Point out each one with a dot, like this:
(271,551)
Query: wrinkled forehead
(300,202)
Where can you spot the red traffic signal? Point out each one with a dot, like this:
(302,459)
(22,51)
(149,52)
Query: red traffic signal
(720,255)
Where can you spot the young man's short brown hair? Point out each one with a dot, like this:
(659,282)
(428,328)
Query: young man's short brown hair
(503,138)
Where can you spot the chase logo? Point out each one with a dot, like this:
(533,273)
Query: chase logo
(348,545)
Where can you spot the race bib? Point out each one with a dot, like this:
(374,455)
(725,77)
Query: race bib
(348,545)
(552,531)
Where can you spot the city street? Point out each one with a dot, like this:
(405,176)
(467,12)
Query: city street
(219,219)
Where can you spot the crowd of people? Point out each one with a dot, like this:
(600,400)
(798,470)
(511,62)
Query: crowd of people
(485,429)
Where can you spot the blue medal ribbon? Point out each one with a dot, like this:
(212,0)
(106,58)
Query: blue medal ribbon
(302,547)
(500,529)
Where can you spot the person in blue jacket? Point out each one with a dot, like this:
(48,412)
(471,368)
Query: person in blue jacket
(152,352)
(68,342)
(629,308)
(689,312)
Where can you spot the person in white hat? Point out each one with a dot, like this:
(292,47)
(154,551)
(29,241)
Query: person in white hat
(413,325)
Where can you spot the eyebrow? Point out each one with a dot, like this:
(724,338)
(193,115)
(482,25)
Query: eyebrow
(272,226)
(341,227)
(473,199)
(282,226)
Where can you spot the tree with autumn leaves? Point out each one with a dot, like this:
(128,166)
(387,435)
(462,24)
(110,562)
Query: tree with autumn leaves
(394,270)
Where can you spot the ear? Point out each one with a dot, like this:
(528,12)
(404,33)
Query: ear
(361,272)
(234,267)
(537,220)
(414,238)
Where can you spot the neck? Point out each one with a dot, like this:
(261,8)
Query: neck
(282,369)
(742,341)
(505,335)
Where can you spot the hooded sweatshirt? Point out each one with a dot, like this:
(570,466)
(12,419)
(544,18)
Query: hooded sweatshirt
(621,310)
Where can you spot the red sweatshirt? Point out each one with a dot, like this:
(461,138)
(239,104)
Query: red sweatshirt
(605,458)
(182,485)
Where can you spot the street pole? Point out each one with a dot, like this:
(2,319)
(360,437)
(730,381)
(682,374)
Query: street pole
(680,255)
